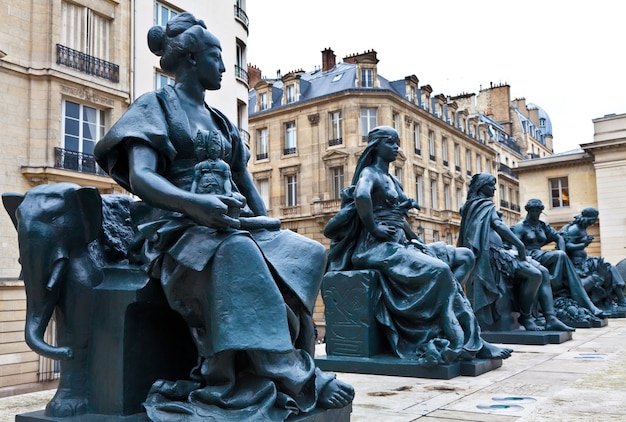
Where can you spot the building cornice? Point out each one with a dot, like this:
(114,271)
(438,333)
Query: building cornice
(554,161)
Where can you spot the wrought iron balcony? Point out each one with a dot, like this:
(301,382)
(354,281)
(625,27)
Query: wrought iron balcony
(289,151)
(245,136)
(262,156)
(333,142)
(241,15)
(87,64)
(77,161)
(241,74)
(503,168)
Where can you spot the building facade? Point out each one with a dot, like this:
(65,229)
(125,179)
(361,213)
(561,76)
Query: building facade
(308,130)
(69,70)
(590,176)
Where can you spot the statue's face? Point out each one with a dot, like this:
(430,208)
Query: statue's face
(489,189)
(534,213)
(209,64)
(388,149)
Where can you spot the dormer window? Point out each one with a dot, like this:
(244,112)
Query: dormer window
(367,78)
(263,105)
(291,93)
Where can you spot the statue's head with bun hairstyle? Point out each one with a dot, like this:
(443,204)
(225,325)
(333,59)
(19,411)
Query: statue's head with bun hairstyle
(183,35)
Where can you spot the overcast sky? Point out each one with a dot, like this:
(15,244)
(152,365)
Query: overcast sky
(569,58)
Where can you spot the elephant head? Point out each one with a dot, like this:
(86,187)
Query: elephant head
(55,223)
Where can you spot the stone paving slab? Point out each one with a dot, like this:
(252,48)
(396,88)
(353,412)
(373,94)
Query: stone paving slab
(582,380)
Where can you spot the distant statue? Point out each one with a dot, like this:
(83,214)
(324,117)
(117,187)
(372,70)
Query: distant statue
(420,304)
(602,280)
(247,295)
(564,279)
(503,280)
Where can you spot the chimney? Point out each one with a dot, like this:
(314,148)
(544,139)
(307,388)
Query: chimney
(254,75)
(328,59)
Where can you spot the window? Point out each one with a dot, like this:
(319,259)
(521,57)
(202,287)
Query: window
(446,197)
(337,181)
(367,78)
(417,142)
(559,192)
(488,165)
(262,144)
(162,14)
(433,194)
(419,189)
(431,144)
(264,191)
(83,126)
(161,80)
(444,150)
(459,197)
(449,240)
(368,121)
(397,171)
(291,190)
(334,128)
(411,95)
(396,121)
(435,235)
(263,105)
(291,93)
(468,161)
(457,157)
(290,138)
(479,167)
(85,31)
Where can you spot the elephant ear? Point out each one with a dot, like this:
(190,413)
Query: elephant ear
(11,202)
(90,211)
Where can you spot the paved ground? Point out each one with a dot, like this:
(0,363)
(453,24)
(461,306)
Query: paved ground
(580,380)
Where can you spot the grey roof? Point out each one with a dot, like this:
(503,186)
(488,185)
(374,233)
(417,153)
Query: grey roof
(547,128)
(318,83)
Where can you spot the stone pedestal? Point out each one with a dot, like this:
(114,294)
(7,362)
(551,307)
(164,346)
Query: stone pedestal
(355,343)
(527,337)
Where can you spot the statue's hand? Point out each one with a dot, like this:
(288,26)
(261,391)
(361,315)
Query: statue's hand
(210,210)
(259,222)
(383,232)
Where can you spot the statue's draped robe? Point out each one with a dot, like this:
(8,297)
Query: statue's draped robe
(487,286)
(263,323)
(419,303)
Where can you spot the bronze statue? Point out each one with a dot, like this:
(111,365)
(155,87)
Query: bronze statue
(503,280)
(564,279)
(602,280)
(246,296)
(420,305)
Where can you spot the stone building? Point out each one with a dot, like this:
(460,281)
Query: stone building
(69,69)
(590,176)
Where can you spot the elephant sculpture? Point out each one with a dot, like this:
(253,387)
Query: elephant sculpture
(55,225)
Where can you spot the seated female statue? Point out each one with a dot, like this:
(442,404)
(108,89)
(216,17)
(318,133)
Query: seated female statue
(247,296)
(421,306)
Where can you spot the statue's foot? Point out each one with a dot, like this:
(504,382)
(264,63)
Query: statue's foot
(555,324)
(64,406)
(174,390)
(335,395)
(528,322)
(490,351)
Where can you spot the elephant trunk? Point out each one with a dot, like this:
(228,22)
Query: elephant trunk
(39,308)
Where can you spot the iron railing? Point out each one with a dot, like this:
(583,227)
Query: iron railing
(77,161)
(88,64)
(241,74)
(241,15)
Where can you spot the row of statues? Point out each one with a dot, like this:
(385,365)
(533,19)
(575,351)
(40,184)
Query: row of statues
(433,296)
(245,289)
